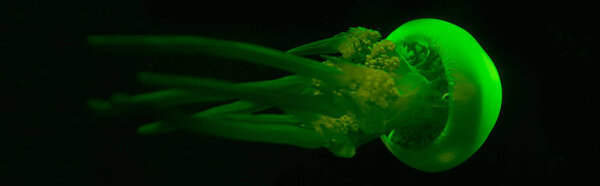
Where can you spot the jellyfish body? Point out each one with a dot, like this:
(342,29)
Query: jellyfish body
(428,91)
(475,94)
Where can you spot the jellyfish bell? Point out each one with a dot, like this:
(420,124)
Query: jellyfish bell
(474,93)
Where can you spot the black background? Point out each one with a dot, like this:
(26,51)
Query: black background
(544,53)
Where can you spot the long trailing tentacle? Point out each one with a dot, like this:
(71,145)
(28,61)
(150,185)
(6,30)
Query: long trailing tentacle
(193,45)
(270,128)
(257,118)
(241,106)
(269,133)
(261,94)
(120,102)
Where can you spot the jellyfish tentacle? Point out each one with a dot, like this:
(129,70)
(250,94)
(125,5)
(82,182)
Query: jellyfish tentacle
(120,103)
(239,107)
(263,95)
(278,133)
(279,119)
(191,45)
(291,83)
(354,44)
(157,127)
(288,83)
(328,45)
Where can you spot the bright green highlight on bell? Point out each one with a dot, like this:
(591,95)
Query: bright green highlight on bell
(428,91)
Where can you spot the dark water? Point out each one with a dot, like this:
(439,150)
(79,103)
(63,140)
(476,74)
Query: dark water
(543,52)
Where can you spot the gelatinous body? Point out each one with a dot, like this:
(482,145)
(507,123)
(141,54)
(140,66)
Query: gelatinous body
(428,91)
(475,95)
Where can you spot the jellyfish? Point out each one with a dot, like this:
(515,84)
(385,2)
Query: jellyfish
(428,91)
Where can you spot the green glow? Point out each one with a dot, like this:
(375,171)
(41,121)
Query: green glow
(428,91)
(476,91)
